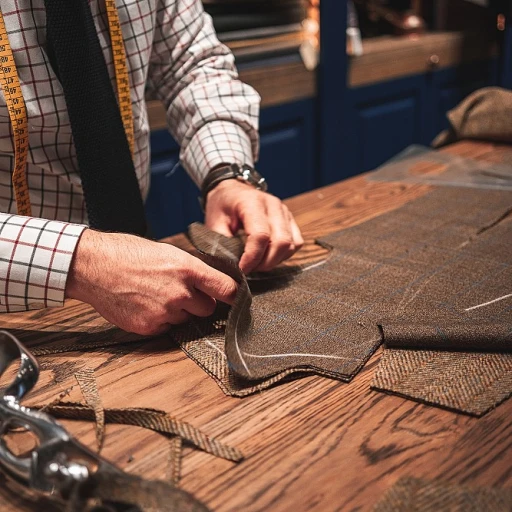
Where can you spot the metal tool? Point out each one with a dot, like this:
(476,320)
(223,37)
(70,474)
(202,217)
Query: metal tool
(59,463)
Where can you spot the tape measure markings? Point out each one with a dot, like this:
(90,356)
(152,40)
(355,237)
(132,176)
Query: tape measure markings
(11,88)
(10,85)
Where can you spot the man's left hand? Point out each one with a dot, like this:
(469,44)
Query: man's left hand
(272,233)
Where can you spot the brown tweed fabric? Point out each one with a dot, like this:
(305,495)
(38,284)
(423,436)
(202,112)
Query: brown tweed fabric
(87,382)
(470,382)
(153,419)
(440,260)
(483,115)
(429,496)
(483,337)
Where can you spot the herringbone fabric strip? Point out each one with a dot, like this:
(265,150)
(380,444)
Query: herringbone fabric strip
(87,382)
(175,456)
(468,382)
(152,419)
(411,494)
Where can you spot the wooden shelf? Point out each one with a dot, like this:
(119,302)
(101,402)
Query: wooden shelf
(390,57)
(277,84)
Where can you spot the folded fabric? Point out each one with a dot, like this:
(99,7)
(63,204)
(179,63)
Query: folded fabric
(435,496)
(483,115)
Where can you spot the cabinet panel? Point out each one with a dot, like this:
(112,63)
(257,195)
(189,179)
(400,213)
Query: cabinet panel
(385,130)
(382,120)
(287,148)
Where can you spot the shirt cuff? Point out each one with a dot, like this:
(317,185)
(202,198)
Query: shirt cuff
(217,142)
(35,256)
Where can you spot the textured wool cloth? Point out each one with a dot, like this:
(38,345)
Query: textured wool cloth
(439,261)
(431,496)
(483,115)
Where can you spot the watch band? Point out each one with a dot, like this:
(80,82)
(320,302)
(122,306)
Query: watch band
(244,173)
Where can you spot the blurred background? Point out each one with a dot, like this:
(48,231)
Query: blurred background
(345,86)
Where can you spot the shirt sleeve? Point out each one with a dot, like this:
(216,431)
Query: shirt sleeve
(35,256)
(210,112)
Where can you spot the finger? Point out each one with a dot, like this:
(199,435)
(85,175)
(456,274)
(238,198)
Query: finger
(200,304)
(298,240)
(220,224)
(214,283)
(256,225)
(281,244)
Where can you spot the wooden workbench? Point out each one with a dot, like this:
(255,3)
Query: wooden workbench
(310,444)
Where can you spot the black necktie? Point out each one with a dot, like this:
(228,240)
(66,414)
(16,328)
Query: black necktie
(109,182)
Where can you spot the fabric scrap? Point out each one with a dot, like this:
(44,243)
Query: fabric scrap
(175,458)
(87,382)
(152,419)
(433,496)
(469,382)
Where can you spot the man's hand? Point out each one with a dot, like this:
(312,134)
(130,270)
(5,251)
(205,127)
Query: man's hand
(143,286)
(272,233)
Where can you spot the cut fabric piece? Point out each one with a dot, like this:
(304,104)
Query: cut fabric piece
(432,496)
(442,260)
(468,382)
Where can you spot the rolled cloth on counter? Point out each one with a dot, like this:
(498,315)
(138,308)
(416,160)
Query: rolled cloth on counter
(441,260)
(484,115)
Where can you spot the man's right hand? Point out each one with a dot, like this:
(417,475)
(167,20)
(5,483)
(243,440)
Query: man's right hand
(143,286)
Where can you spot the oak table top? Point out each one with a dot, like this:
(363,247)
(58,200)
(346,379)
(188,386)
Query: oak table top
(312,444)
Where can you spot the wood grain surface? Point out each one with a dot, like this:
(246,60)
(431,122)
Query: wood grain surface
(312,444)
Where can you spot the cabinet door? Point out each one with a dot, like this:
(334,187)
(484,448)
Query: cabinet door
(381,120)
(450,86)
(287,148)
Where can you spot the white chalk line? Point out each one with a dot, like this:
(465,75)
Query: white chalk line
(296,354)
(490,302)
(236,337)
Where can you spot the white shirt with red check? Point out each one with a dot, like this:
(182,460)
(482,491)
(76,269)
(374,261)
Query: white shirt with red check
(173,54)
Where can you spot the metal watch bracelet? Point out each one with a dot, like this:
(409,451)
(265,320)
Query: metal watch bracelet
(244,173)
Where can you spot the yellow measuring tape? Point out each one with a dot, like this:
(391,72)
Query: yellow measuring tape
(10,84)
(122,82)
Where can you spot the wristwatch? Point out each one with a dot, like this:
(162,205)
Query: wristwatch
(244,173)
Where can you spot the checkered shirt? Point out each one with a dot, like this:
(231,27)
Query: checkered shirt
(174,55)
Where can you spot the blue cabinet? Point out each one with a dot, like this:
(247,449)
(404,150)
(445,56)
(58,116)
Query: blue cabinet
(381,120)
(286,159)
